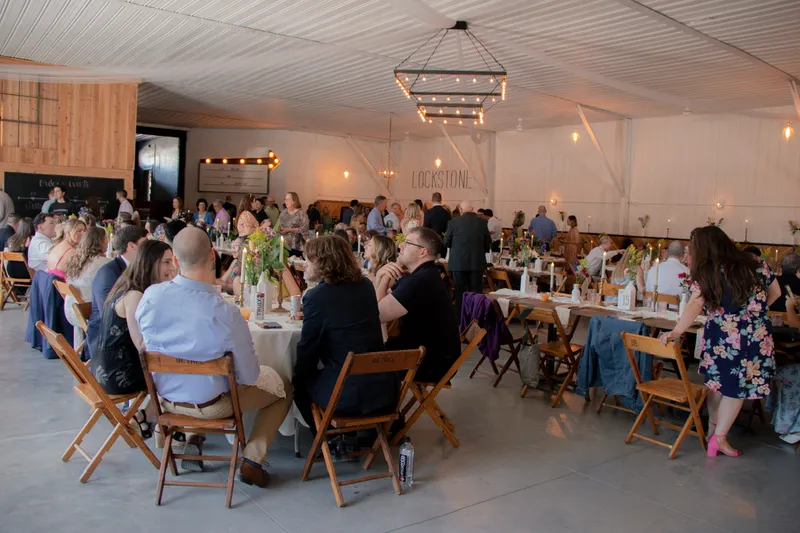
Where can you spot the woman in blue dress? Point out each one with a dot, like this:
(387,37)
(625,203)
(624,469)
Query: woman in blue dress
(203,214)
(734,290)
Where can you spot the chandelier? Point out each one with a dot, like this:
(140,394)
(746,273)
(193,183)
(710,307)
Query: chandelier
(389,172)
(452,94)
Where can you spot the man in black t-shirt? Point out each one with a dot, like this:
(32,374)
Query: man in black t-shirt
(422,302)
(61,206)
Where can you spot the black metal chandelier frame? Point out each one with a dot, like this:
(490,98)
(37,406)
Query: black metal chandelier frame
(470,100)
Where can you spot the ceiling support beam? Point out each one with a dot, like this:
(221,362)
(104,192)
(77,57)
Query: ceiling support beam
(480,178)
(609,168)
(795,96)
(371,170)
(722,45)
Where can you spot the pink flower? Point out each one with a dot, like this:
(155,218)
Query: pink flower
(754,307)
(767,346)
(713,385)
(760,332)
(735,340)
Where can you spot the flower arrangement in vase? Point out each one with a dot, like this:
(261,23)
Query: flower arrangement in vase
(263,255)
(713,222)
(521,251)
(635,256)
(684,282)
(581,269)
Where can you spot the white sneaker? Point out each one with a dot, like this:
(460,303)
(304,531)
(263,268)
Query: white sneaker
(791,438)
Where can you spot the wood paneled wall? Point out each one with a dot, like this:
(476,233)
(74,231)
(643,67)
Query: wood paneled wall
(69,129)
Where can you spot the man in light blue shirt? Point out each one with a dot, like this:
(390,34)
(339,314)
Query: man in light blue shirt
(187,318)
(375,217)
(544,228)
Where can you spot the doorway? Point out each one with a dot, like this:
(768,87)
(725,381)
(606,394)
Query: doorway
(159,170)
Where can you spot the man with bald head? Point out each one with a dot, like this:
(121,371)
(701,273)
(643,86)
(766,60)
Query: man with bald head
(468,238)
(543,227)
(187,318)
(668,270)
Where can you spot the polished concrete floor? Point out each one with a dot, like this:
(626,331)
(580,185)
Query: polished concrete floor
(522,467)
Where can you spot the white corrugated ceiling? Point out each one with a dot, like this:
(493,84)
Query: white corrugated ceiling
(326,65)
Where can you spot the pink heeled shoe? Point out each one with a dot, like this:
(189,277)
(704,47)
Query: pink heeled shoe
(714,449)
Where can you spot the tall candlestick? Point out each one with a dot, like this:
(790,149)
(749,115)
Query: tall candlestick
(281,254)
(668,223)
(359,245)
(745,230)
(603,266)
(552,276)
(655,281)
(242,275)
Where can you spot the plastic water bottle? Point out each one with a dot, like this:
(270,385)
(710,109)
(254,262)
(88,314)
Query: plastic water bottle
(406,464)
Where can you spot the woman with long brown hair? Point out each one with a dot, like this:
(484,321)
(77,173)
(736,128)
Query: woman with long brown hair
(379,250)
(413,218)
(64,245)
(735,290)
(573,245)
(82,268)
(340,315)
(293,223)
(177,209)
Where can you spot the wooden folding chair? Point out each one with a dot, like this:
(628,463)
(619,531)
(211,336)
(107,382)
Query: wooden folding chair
(290,283)
(8,283)
(566,281)
(512,347)
(171,423)
(609,289)
(671,299)
(102,404)
(82,312)
(497,277)
(329,424)
(559,352)
(670,392)
(472,335)
(65,289)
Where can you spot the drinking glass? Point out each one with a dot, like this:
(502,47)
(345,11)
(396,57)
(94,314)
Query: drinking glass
(661,308)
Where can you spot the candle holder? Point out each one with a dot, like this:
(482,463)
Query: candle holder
(281,287)
(655,299)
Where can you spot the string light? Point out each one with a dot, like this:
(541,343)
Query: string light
(463,99)
(788,131)
(433,99)
(458,79)
(208,161)
(445,121)
(241,161)
(460,121)
(224,161)
(424,78)
(259,161)
(503,89)
(474,79)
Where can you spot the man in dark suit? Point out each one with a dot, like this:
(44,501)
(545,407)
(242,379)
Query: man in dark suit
(437,217)
(124,245)
(469,240)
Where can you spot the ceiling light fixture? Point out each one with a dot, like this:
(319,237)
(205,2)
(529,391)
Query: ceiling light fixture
(435,51)
(346,173)
(788,131)
(437,162)
(575,136)
(389,172)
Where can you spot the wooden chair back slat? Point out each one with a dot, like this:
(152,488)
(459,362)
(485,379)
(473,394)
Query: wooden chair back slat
(470,332)
(290,283)
(494,276)
(671,299)
(377,362)
(610,289)
(165,364)
(653,346)
(82,313)
(65,353)
(65,289)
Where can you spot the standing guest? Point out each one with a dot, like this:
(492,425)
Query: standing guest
(6,208)
(171,229)
(395,217)
(327,219)
(42,242)
(518,224)
(480,212)
(595,256)
(413,218)
(272,211)
(495,228)
(177,209)
(51,198)
(375,218)
(61,206)
(668,271)
(421,206)
(6,233)
(790,276)
(786,413)
(81,270)
(437,217)
(229,206)
(734,290)
(19,243)
(64,248)
(340,315)
(293,223)
(469,240)
(379,251)
(116,364)
(421,301)
(314,216)
(258,210)
(347,212)
(246,204)
(202,214)
(125,205)
(219,328)
(222,219)
(573,246)
(542,227)
(246,224)
(124,244)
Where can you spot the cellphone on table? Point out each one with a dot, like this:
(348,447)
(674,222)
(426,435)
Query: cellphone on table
(269,325)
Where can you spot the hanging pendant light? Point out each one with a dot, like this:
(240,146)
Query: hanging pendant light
(438,162)
(788,131)
(575,136)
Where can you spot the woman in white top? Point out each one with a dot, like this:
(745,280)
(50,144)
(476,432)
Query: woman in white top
(413,218)
(82,268)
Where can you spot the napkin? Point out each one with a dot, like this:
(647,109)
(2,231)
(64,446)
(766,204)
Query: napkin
(509,292)
(270,381)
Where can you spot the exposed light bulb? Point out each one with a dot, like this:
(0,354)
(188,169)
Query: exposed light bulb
(259,161)
(224,161)
(434,98)
(477,99)
(424,78)
(458,79)
(270,166)
(277,160)
(271,154)
(474,79)
(448,98)
(437,162)
(788,131)
(575,136)
(406,78)
(241,161)
(463,99)
(460,121)
(208,161)
(494,99)
(458,111)
(445,121)
(440,110)
(346,173)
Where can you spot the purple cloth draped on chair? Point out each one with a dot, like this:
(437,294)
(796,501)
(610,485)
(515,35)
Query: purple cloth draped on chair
(478,307)
(46,305)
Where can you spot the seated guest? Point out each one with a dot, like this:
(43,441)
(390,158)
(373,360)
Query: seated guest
(217,328)
(755,251)
(64,247)
(422,302)
(124,245)
(115,363)
(352,237)
(19,243)
(203,215)
(171,229)
(222,219)
(790,276)
(786,413)
(379,251)
(341,233)
(6,232)
(229,281)
(229,206)
(668,280)
(245,204)
(595,257)
(42,241)
(258,210)
(246,224)
(82,268)
(340,316)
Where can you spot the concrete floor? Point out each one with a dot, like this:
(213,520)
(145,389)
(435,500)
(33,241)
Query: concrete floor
(522,466)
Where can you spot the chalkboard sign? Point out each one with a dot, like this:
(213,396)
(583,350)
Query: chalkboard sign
(29,191)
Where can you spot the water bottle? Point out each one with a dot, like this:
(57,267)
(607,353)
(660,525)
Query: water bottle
(406,472)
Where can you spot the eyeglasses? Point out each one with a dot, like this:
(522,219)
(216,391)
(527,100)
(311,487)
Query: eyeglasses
(413,243)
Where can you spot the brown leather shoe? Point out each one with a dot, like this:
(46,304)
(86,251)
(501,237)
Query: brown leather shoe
(253,474)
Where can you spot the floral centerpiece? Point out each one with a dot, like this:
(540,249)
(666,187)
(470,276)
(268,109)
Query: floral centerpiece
(635,256)
(685,282)
(263,255)
(581,269)
(521,251)
(400,238)
(712,222)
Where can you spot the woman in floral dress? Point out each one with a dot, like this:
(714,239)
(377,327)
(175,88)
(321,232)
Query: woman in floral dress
(293,223)
(734,290)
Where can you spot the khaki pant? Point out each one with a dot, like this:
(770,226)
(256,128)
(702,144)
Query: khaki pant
(271,414)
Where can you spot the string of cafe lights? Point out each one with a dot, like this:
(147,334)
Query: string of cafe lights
(271,160)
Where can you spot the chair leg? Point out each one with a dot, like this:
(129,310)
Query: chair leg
(95,462)
(682,435)
(87,427)
(166,458)
(524,392)
(337,490)
(387,454)
(315,446)
(439,422)
(374,451)
(573,367)
(511,358)
(232,471)
(480,361)
(297,438)
(639,418)
(602,402)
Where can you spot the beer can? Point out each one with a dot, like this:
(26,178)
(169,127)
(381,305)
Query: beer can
(295,305)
